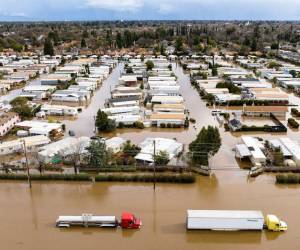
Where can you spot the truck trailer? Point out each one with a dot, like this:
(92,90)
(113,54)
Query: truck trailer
(128,221)
(232,220)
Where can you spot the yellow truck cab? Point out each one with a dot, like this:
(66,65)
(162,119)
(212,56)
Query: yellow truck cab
(275,224)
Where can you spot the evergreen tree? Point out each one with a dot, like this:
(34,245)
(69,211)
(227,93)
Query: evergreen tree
(179,44)
(103,123)
(149,65)
(214,71)
(83,43)
(97,154)
(53,35)
(253,44)
(119,41)
(48,47)
(162,50)
(207,143)
(85,34)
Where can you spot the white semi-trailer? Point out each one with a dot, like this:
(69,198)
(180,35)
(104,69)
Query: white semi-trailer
(233,220)
(225,220)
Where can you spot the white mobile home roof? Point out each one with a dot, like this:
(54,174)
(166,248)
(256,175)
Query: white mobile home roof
(167,99)
(255,147)
(65,146)
(38,124)
(243,150)
(161,78)
(128,78)
(165,88)
(29,141)
(126,118)
(217,91)
(292,146)
(39,88)
(171,146)
(119,110)
(115,143)
(160,83)
(125,104)
(275,143)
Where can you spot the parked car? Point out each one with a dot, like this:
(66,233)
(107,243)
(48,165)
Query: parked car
(71,133)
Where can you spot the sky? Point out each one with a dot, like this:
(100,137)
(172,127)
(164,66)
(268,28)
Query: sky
(67,10)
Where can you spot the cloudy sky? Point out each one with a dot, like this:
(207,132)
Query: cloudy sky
(149,9)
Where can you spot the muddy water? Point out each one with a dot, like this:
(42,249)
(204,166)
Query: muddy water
(28,217)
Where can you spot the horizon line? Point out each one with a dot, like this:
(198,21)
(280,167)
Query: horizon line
(147,20)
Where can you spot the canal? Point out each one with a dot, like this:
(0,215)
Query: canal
(28,216)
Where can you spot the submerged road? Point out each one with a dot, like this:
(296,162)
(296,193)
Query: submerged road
(84,125)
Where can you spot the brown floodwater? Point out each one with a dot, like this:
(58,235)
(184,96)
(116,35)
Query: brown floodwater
(28,216)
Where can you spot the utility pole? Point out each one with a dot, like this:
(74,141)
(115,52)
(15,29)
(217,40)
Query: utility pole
(27,166)
(154,165)
(95,129)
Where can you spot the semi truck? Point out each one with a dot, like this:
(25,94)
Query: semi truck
(233,220)
(128,221)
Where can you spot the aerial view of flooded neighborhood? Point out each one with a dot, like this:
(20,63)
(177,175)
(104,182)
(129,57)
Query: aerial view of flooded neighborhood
(129,126)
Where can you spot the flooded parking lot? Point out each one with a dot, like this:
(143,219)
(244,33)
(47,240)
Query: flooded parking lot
(28,216)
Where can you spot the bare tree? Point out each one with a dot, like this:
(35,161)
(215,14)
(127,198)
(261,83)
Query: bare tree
(75,156)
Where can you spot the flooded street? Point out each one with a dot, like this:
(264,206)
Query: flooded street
(84,125)
(28,217)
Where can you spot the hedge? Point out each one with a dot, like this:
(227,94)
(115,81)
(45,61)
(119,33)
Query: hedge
(147,178)
(295,112)
(288,179)
(293,123)
(118,169)
(47,177)
(256,102)
(183,178)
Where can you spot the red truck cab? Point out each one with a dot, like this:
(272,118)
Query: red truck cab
(128,220)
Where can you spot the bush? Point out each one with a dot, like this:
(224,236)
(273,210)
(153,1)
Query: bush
(295,112)
(121,125)
(139,125)
(226,116)
(169,125)
(182,178)
(47,177)
(162,125)
(113,169)
(231,87)
(226,127)
(293,123)
(288,179)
